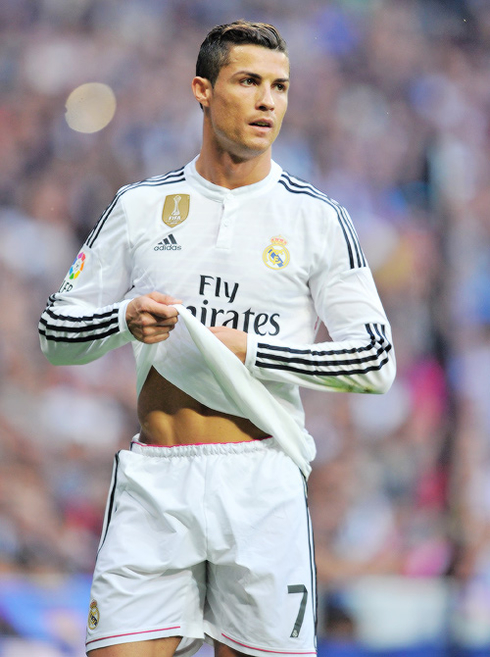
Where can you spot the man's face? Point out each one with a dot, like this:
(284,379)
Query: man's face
(247,104)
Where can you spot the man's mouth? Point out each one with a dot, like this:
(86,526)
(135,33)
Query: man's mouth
(262,123)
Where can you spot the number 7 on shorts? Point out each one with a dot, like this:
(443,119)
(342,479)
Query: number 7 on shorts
(299,588)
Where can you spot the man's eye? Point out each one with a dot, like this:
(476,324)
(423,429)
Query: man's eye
(248,81)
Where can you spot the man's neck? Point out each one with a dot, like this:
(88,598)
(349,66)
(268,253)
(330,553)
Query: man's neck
(222,169)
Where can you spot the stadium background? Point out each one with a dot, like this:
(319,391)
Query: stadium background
(390,115)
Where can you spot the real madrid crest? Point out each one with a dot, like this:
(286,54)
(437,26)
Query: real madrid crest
(276,256)
(175,209)
(93,615)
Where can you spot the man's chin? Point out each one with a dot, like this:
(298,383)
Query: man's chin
(251,151)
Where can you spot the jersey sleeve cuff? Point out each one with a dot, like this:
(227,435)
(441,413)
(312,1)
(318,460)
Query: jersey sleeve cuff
(251,352)
(123,325)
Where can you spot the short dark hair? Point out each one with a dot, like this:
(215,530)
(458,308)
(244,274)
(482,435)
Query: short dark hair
(213,54)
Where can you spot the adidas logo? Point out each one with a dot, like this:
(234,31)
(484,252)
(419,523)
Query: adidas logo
(168,244)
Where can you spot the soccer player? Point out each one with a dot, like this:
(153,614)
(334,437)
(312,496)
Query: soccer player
(218,274)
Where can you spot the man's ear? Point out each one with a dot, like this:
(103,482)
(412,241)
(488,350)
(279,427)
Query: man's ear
(201,88)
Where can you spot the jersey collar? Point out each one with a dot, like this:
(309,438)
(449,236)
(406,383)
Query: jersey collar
(218,193)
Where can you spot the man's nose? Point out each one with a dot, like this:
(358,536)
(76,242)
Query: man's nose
(266,100)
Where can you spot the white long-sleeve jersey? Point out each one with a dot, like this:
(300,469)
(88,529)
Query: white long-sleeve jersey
(271,259)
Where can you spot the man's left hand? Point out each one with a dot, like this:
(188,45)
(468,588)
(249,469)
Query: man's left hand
(235,340)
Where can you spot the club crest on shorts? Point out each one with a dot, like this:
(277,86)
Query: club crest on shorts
(175,209)
(93,615)
(276,256)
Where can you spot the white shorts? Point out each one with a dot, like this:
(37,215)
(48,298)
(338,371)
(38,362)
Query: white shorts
(207,542)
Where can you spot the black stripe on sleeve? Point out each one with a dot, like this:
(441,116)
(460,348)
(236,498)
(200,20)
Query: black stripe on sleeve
(82,318)
(353,237)
(86,338)
(84,328)
(357,258)
(157,181)
(329,362)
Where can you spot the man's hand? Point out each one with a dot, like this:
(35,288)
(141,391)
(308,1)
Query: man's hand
(235,340)
(149,317)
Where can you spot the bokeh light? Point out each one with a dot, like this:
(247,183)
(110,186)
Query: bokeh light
(90,107)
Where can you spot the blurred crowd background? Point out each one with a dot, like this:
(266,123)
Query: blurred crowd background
(389,115)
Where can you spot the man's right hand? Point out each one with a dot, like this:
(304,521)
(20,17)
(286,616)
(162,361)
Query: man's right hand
(150,318)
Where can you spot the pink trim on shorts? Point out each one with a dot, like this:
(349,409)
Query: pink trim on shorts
(278,652)
(238,442)
(118,636)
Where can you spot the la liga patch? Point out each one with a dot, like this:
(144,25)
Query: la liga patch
(77,266)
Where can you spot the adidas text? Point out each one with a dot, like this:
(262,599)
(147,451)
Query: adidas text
(168,244)
(167,247)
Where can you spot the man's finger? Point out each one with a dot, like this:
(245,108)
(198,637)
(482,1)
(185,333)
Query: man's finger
(169,322)
(160,310)
(166,299)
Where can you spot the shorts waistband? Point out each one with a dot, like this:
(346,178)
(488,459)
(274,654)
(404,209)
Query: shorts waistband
(203,449)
